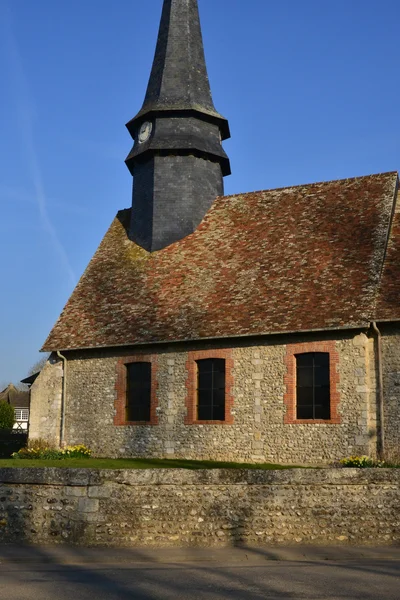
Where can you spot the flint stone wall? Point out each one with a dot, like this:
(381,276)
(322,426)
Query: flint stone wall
(155,508)
(258,432)
(391,389)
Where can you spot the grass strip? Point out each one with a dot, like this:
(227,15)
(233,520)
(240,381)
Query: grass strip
(137,463)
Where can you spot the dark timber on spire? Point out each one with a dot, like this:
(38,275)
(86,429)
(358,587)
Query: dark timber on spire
(177,159)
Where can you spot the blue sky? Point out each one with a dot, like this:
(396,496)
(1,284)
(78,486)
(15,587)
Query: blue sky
(310,88)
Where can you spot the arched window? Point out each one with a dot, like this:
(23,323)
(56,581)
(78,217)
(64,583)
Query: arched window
(211,389)
(313,386)
(138,391)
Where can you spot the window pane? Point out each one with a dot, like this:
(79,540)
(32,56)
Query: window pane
(219,380)
(219,364)
(305,376)
(305,360)
(321,359)
(205,380)
(322,396)
(219,413)
(219,397)
(205,413)
(141,397)
(322,411)
(206,365)
(305,412)
(321,375)
(139,413)
(304,396)
(205,397)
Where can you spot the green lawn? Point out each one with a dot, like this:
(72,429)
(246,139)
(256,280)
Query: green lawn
(135,463)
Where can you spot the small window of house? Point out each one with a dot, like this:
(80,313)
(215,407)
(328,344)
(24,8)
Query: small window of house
(313,386)
(138,400)
(21,414)
(211,389)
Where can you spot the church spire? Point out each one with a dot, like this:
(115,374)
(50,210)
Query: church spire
(177,160)
(179,79)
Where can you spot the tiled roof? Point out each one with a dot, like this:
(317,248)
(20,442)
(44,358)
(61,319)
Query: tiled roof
(17,398)
(388,305)
(302,258)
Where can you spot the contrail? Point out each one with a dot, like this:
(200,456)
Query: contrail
(25,114)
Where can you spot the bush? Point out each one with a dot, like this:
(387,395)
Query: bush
(7,415)
(39,449)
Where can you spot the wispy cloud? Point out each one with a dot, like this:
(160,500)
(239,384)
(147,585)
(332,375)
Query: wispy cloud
(25,111)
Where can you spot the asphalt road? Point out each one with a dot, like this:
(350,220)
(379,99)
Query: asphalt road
(258,576)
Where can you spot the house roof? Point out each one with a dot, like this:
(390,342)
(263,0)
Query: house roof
(310,257)
(17,398)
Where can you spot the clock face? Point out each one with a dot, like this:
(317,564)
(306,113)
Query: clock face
(145,131)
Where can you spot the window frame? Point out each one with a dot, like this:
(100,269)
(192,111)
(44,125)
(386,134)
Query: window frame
(210,390)
(192,382)
(121,387)
(314,392)
(290,397)
(142,388)
(20,413)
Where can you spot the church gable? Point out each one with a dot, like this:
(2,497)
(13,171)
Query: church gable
(294,259)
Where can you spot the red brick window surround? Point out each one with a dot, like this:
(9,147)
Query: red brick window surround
(121,390)
(290,380)
(191,386)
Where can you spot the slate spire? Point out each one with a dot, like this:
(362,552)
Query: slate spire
(177,159)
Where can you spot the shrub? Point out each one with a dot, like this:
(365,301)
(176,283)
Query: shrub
(37,449)
(41,444)
(7,415)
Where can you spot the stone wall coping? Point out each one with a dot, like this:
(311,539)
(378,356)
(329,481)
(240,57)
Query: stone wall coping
(143,477)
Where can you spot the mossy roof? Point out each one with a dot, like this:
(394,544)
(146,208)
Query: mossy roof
(311,257)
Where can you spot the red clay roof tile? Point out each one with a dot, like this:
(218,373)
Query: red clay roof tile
(300,258)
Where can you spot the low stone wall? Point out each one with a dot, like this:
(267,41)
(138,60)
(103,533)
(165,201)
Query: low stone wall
(199,508)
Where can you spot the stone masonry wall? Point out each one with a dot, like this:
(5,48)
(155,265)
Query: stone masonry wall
(45,407)
(174,507)
(258,431)
(391,388)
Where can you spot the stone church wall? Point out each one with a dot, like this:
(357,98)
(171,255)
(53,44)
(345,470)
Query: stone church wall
(391,388)
(259,429)
(45,407)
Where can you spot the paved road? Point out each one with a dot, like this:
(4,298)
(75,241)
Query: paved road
(46,575)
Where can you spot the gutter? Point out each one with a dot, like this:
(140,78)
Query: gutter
(63,399)
(381,437)
(363,325)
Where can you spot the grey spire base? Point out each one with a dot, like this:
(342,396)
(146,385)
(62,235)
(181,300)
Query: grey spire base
(171,195)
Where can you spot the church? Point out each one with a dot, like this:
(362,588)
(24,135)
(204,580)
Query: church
(258,327)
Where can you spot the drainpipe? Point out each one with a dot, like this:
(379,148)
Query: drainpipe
(381,439)
(63,399)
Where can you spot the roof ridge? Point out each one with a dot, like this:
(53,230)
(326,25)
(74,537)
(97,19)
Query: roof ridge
(299,185)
